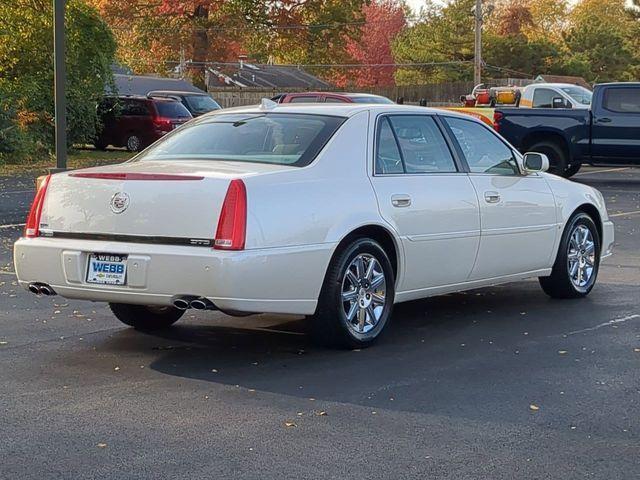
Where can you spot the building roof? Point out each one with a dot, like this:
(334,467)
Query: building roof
(141,85)
(564,79)
(243,74)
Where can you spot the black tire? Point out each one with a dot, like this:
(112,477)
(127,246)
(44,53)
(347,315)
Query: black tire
(330,325)
(147,318)
(572,170)
(559,283)
(556,155)
(134,143)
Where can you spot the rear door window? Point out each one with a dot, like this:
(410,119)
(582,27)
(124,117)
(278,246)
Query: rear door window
(422,145)
(135,108)
(622,100)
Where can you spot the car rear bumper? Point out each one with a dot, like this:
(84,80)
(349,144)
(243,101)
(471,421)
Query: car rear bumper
(275,280)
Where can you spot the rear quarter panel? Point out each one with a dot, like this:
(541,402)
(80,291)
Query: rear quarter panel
(317,204)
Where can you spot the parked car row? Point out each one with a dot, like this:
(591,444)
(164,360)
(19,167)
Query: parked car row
(135,122)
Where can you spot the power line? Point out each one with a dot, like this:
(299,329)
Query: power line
(324,65)
(297,26)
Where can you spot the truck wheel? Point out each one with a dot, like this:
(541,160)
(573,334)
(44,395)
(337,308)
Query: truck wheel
(577,262)
(572,170)
(142,317)
(557,157)
(357,296)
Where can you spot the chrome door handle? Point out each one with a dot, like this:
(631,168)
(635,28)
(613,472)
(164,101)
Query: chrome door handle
(492,197)
(400,201)
(603,120)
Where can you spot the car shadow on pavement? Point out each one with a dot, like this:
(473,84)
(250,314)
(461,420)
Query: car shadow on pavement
(445,355)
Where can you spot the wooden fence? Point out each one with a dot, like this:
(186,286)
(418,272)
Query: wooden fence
(437,94)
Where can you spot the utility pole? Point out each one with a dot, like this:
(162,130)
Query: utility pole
(477,57)
(59,83)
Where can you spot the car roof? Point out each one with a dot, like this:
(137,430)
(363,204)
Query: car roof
(175,92)
(337,94)
(335,109)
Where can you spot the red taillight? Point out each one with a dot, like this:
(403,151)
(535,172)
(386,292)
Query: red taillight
(162,123)
(497,116)
(232,224)
(32,229)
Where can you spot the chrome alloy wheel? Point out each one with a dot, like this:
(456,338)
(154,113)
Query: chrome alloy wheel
(581,256)
(364,291)
(133,143)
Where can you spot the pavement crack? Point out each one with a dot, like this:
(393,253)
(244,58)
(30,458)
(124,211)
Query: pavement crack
(606,324)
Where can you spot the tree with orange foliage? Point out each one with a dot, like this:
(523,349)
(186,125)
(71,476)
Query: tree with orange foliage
(384,19)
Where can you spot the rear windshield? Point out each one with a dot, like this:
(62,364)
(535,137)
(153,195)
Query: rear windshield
(201,103)
(172,109)
(280,139)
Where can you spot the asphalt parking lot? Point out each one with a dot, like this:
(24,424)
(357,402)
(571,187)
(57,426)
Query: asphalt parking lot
(498,383)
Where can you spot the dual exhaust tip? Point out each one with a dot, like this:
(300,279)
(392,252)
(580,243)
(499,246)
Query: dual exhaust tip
(197,303)
(41,289)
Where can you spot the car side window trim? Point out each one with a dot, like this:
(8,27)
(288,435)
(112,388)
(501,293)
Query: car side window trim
(458,149)
(384,117)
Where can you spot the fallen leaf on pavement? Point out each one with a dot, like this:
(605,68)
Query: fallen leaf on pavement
(533,407)
(321,413)
(562,352)
(102,445)
(290,424)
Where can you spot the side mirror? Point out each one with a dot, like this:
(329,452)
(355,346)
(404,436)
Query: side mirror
(559,102)
(535,162)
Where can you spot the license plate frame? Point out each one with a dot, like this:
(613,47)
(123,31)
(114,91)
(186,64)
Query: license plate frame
(107,269)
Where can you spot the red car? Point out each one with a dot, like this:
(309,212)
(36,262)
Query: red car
(329,97)
(136,122)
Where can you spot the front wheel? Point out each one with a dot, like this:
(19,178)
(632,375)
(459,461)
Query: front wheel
(142,317)
(357,296)
(576,268)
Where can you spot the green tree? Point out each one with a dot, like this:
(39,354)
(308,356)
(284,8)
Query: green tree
(603,37)
(26,74)
(442,35)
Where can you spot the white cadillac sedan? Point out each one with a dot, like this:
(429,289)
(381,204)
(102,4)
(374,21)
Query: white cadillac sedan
(334,212)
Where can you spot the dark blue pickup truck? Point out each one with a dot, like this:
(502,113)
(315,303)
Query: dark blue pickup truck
(606,134)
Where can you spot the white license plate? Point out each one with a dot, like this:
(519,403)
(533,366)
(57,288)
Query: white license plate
(107,269)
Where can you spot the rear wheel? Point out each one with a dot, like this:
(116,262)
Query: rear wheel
(134,143)
(555,154)
(142,317)
(576,268)
(356,301)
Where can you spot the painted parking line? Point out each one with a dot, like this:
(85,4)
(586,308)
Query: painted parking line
(623,214)
(606,324)
(591,172)
(13,225)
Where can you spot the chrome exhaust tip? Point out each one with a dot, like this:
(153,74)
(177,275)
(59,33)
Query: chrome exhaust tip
(33,288)
(181,304)
(199,304)
(46,290)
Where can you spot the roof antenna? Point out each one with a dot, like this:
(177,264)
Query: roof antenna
(267,104)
